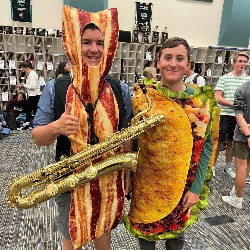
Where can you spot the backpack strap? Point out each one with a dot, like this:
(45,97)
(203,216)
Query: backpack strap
(195,78)
(61,88)
(63,144)
(116,87)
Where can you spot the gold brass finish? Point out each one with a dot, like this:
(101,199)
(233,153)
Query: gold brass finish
(64,175)
(62,185)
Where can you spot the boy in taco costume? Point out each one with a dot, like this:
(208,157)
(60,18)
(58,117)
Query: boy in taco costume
(174,157)
(83,113)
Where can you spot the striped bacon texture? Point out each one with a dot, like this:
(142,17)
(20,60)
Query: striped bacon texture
(98,206)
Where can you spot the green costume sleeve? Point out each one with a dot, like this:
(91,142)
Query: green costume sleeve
(203,165)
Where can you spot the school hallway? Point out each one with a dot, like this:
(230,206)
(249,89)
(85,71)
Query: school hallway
(36,228)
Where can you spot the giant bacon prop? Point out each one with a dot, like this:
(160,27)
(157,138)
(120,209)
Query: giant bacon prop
(96,207)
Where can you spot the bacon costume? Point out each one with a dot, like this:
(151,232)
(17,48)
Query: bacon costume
(96,207)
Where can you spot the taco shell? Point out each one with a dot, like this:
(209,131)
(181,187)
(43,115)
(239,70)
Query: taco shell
(163,162)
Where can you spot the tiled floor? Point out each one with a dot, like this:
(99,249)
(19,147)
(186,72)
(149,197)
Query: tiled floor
(35,228)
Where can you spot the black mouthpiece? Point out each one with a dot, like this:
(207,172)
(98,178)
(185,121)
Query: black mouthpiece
(140,82)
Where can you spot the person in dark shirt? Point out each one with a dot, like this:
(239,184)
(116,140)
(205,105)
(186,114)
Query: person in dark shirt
(62,69)
(15,107)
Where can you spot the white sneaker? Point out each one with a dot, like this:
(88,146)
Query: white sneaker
(230,172)
(25,126)
(233,201)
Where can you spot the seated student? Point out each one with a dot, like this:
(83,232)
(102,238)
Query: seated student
(192,77)
(15,107)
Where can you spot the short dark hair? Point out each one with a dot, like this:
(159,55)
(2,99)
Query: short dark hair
(26,65)
(89,26)
(175,42)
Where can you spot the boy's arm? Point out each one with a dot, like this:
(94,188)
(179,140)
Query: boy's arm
(219,92)
(46,128)
(66,125)
(240,108)
(32,82)
(221,100)
(192,196)
(242,124)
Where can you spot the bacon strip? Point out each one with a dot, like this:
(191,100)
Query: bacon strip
(98,206)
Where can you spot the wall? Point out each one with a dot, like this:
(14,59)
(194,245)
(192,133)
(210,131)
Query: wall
(198,22)
(234,29)
(91,6)
(45,14)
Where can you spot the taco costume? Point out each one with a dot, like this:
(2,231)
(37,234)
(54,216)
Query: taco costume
(98,206)
(173,158)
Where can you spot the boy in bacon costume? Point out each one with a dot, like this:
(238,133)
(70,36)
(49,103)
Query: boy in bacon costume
(86,111)
(174,157)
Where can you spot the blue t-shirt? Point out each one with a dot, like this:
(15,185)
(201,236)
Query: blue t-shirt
(46,111)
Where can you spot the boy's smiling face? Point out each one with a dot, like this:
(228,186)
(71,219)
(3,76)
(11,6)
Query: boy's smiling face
(173,64)
(92,46)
